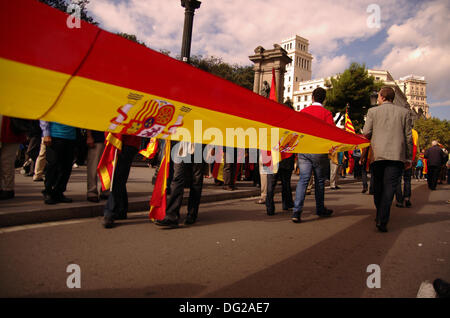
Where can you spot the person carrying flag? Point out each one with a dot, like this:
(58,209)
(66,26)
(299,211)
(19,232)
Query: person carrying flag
(313,163)
(116,207)
(186,164)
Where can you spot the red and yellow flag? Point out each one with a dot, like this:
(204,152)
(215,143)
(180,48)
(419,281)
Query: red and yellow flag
(151,150)
(107,163)
(273,88)
(158,202)
(348,123)
(90,78)
(218,166)
(415,138)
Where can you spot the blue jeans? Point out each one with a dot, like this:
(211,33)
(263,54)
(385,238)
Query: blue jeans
(311,163)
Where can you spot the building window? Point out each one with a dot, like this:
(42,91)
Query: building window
(299,98)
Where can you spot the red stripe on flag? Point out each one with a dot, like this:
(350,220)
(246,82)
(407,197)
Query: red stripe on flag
(36,34)
(158,202)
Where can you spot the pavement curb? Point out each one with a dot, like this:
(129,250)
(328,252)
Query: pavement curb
(30,209)
(88,210)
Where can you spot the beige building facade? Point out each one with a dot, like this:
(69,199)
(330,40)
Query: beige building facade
(410,92)
(415,89)
(300,69)
(302,96)
(388,80)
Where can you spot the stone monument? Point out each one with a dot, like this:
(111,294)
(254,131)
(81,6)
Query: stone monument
(265,60)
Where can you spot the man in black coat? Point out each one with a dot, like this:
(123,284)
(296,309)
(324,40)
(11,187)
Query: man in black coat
(435,159)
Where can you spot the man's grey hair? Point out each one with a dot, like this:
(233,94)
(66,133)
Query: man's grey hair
(434,142)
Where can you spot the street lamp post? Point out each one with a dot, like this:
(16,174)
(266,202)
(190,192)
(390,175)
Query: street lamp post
(190,6)
(373,98)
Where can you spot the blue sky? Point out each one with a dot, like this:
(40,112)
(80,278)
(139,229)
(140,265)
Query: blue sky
(413,37)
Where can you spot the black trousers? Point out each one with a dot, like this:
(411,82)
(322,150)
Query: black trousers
(180,171)
(432,176)
(386,174)
(229,167)
(406,194)
(286,191)
(59,156)
(117,204)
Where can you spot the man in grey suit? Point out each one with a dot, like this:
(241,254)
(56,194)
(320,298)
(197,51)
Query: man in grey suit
(388,126)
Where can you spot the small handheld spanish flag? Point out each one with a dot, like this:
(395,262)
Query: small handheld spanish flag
(107,163)
(151,150)
(158,202)
(348,123)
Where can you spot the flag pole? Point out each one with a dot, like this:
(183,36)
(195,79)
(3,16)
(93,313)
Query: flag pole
(114,169)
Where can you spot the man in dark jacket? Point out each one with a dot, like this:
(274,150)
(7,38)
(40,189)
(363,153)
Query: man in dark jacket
(59,140)
(435,159)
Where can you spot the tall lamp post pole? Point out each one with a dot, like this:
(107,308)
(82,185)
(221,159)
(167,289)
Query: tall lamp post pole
(190,6)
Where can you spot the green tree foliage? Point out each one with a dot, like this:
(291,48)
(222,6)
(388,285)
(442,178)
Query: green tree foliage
(131,37)
(353,87)
(433,129)
(62,5)
(240,75)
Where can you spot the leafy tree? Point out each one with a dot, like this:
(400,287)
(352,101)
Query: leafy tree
(62,5)
(165,52)
(433,129)
(353,88)
(131,37)
(240,75)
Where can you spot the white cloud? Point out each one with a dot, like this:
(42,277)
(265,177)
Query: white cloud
(421,46)
(418,38)
(443,103)
(327,66)
(233,29)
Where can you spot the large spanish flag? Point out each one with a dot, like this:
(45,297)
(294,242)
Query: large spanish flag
(90,78)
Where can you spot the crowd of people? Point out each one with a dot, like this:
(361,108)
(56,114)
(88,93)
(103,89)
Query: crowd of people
(47,151)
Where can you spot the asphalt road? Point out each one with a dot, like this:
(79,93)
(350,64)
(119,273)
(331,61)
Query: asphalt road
(236,250)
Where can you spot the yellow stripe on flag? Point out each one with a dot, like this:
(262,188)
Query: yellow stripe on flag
(15,83)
